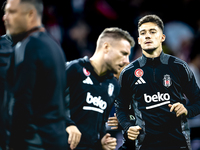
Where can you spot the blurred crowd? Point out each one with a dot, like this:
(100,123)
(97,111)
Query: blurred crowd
(76,24)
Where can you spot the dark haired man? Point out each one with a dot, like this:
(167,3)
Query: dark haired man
(92,89)
(156,84)
(39,74)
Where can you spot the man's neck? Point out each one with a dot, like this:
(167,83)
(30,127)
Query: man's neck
(153,53)
(98,66)
(19,37)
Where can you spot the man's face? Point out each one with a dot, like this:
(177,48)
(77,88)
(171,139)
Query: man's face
(150,36)
(15,17)
(118,55)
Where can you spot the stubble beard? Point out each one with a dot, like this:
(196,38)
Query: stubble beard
(150,50)
(112,69)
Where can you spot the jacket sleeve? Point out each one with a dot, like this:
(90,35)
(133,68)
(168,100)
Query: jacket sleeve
(123,101)
(70,75)
(24,86)
(67,109)
(191,90)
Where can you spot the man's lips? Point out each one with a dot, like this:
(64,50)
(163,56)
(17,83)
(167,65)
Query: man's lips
(148,42)
(120,66)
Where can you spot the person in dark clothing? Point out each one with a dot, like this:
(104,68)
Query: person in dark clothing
(38,120)
(6,52)
(156,84)
(127,144)
(92,89)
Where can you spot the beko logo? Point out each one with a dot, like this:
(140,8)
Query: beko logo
(156,97)
(96,101)
(159,97)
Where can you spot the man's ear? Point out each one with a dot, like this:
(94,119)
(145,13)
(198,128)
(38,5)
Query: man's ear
(30,13)
(138,40)
(106,47)
(163,38)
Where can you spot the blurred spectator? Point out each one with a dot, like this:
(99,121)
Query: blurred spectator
(195,144)
(179,38)
(195,60)
(77,42)
(51,23)
(78,6)
(105,9)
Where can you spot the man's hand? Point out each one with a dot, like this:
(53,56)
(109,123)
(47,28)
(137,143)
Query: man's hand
(112,121)
(133,132)
(74,136)
(108,142)
(178,108)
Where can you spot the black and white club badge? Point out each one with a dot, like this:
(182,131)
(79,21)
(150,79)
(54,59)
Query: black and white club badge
(167,82)
(110,89)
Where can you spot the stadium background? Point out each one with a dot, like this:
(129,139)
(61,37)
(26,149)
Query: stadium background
(76,25)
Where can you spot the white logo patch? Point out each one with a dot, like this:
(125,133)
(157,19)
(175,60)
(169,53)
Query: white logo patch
(140,81)
(167,82)
(88,81)
(110,89)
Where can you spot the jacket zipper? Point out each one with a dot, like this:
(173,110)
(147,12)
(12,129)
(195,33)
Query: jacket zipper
(154,70)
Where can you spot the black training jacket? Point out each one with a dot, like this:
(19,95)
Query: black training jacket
(151,84)
(90,98)
(39,113)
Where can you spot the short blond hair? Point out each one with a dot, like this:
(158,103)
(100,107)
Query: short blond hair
(117,34)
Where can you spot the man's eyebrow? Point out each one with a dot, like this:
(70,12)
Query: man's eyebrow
(147,29)
(124,52)
(142,30)
(152,29)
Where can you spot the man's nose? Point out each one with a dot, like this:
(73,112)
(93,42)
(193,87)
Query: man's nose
(5,17)
(148,35)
